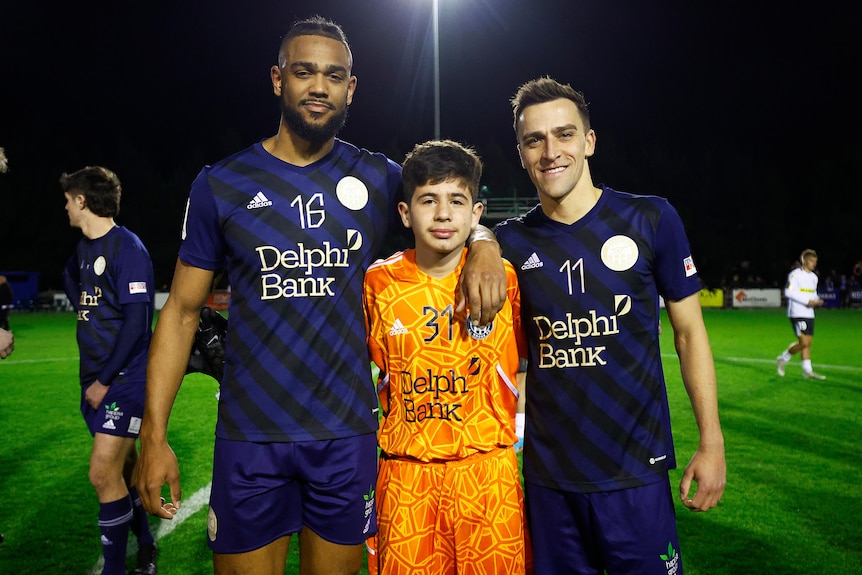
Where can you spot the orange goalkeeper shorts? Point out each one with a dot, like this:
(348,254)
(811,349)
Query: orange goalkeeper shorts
(462,517)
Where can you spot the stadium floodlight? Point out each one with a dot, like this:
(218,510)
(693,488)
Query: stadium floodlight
(436,33)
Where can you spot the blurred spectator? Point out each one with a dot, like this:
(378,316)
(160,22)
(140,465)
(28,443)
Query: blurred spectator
(844,290)
(734,282)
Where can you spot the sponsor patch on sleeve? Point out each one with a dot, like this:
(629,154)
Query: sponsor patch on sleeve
(688,264)
(137,287)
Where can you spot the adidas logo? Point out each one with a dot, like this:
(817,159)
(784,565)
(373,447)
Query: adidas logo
(532,262)
(109,425)
(397,328)
(259,201)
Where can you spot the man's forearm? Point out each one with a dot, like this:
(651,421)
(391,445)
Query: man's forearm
(171,347)
(168,358)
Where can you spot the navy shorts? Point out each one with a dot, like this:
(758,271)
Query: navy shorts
(802,325)
(626,532)
(120,413)
(263,491)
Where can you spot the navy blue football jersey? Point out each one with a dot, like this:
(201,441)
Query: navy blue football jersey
(106,273)
(295,243)
(596,401)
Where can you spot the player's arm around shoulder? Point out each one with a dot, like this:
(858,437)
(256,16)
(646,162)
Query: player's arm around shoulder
(707,467)
(482,285)
(168,358)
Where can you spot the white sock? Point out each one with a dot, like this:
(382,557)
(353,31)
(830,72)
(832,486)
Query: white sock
(806,366)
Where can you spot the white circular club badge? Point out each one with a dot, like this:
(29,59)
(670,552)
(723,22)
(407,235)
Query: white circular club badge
(352,193)
(619,253)
(99,265)
(212,524)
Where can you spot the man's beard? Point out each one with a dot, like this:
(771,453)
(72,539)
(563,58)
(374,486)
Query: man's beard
(313,133)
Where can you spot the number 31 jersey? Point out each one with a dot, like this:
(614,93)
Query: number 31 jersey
(447,390)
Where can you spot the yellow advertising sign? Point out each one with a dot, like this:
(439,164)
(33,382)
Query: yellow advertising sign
(711,297)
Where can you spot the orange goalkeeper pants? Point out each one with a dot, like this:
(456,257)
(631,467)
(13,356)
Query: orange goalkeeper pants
(462,517)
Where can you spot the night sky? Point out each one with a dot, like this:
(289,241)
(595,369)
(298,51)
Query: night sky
(744,115)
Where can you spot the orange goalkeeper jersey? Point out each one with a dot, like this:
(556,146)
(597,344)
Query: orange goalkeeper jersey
(443,393)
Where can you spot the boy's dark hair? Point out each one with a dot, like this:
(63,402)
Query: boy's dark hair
(314,26)
(99,186)
(437,161)
(543,90)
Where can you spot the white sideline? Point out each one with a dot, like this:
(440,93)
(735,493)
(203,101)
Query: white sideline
(190,506)
(771,361)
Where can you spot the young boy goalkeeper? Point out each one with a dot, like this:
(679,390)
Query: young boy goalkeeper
(449,497)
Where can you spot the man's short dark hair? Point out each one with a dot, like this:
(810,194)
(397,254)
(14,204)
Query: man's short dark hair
(100,187)
(546,89)
(314,26)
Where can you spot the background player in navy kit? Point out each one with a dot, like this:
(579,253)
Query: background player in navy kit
(802,298)
(109,280)
(591,264)
(294,221)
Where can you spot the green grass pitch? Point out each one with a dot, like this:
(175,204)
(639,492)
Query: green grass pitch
(794,454)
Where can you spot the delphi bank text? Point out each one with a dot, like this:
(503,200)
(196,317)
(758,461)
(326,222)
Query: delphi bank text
(570,331)
(274,286)
(422,395)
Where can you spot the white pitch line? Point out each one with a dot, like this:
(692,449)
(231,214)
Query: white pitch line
(190,506)
(851,368)
(44,360)
(772,361)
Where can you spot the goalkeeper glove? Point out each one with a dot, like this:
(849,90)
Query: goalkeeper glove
(207,355)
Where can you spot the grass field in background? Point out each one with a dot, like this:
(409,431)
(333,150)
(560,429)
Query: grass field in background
(794,453)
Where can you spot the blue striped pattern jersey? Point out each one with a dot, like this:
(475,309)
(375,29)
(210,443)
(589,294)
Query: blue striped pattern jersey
(107,273)
(597,411)
(295,243)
